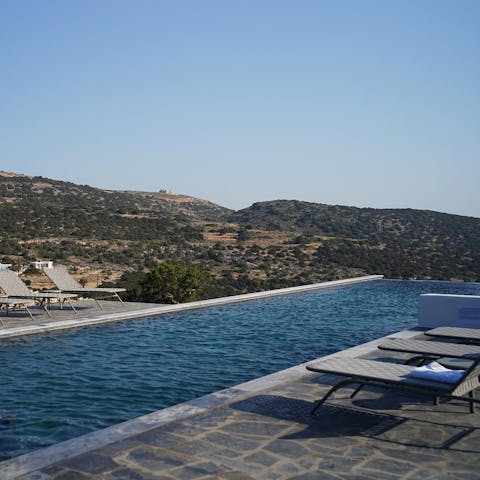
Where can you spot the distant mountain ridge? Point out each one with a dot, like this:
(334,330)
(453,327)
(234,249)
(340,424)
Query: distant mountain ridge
(440,229)
(191,206)
(400,243)
(144,200)
(42,207)
(267,245)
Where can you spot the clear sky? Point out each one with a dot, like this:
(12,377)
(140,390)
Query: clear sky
(365,103)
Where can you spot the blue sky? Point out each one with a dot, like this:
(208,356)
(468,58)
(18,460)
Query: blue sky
(371,103)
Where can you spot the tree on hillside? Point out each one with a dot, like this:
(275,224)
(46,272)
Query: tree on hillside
(173,283)
(242,234)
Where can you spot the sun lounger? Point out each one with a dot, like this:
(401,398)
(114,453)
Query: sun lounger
(431,350)
(457,333)
(12,303)
(67,284)
(13,287)
(397,377)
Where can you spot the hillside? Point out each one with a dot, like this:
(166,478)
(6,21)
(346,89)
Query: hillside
(389,225)
(193,207)
(37,207)
(401,243)
(105,234)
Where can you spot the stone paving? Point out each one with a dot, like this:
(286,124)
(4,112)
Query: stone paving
(270,435)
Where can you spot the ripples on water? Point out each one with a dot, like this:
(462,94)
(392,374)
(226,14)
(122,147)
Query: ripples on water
(59,386)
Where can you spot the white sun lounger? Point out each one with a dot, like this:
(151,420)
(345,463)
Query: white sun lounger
(67,284)
(13,287)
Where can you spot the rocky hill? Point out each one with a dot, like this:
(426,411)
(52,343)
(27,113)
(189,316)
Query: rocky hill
(433,229)
(401,243)
(37,207)
(195,208)
(106,234)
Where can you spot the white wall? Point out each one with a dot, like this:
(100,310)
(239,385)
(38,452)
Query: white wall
(437,310)
(42,264)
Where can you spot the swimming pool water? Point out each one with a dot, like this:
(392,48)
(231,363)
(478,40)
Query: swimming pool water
(58,386)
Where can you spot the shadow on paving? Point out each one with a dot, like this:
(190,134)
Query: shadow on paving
(343,421)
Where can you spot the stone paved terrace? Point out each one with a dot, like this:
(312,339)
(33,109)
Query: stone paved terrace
(263,430)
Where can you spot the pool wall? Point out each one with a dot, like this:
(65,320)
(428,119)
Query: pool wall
(40,327)
(443,310)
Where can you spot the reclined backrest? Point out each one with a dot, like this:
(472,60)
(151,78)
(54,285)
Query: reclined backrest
(469,381)
(12,284)
(61,278)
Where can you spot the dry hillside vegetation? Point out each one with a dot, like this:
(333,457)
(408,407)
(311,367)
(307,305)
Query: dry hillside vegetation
(104,234)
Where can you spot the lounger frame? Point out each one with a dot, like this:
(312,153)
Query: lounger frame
(362,372)
(67,284)
(470,335)
(16,303)
(14,287)
(430,350)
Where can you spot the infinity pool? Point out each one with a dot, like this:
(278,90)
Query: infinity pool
(59,386)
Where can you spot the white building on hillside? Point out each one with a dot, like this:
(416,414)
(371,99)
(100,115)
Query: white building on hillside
(42,264)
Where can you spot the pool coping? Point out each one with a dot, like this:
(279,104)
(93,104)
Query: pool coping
(29,462)
(41,327)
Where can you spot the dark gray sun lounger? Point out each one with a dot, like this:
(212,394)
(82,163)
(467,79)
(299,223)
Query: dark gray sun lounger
(457,333)
(12,303)
(431,350)
(396,377)
(67,284)
(13,287)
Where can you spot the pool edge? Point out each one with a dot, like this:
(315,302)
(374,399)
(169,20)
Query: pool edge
(40,328)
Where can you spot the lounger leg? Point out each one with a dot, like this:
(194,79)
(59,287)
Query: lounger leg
(118,296)
(357,390)
(46,310)
(29,312)
(71,305)
(333,389)
(472,404)
(436,401)
(470,399)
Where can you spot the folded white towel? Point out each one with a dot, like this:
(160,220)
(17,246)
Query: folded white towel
(438,373)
